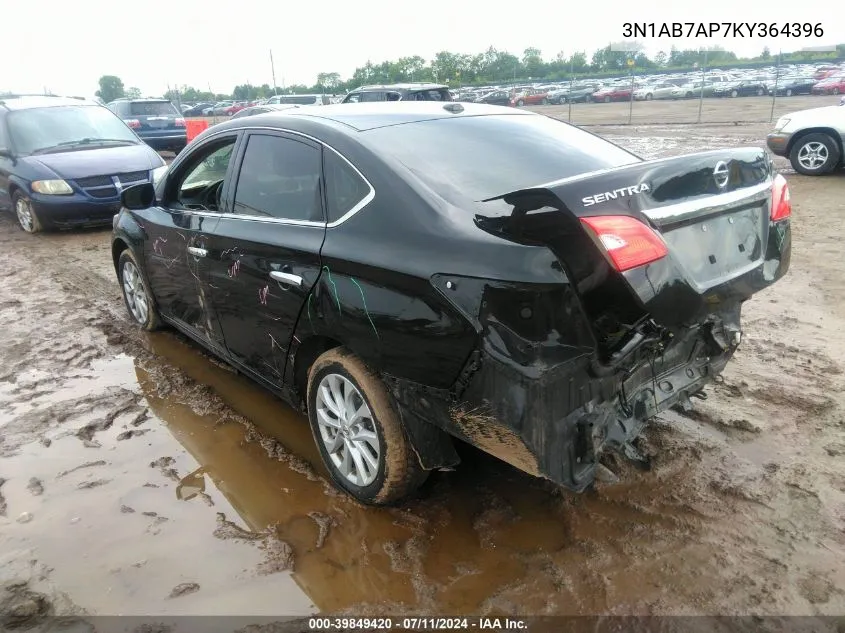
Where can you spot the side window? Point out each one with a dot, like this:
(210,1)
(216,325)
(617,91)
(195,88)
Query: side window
(344,187)
(279,178)
(4,140)
(200,184)
(355,97)
(374,95)
(392,96)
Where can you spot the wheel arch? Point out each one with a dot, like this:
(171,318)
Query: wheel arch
(829,131)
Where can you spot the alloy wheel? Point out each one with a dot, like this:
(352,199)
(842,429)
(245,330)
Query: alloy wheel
(136,294)
(24,213)
(813,155)
(347,430)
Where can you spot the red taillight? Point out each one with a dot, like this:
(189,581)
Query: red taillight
(781,204)
(133,123)
(629,242)
(179,122)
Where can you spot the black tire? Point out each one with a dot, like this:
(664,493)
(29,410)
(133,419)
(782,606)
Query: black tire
(830,147)
(734,94)
(689,95)
(520,103)
(607,99)
(152,321)
(788,92)
(398,472)
(648,97)
(835,91)
(760,92)
(25,213)
(545,101)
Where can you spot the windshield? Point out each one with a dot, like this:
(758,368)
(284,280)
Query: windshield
(482,157)
(47,128)
(152,108)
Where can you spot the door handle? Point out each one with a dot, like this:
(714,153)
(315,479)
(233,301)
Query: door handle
(286,278)
(197,252)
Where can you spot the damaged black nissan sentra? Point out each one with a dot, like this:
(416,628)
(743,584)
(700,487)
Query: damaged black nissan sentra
(409,273)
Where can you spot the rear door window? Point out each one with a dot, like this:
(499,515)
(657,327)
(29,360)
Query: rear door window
(152,108)
(280,178)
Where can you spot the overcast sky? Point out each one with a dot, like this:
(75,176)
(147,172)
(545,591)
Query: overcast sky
(67,46)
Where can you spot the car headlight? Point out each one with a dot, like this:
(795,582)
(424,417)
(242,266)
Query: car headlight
(782,123)
(158,174)
(52,187)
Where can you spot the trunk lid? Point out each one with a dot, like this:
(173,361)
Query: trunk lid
(711,211)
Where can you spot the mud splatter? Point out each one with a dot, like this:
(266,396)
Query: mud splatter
(183,589)
(324,524)
(486,432)
(35,487)
(99,462)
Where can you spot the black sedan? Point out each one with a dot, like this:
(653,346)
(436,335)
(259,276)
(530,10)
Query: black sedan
(741,89)
(413,272)
(497,97)
(788,87)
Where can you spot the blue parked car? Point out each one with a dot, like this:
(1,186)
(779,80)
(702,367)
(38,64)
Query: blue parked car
(157,122)
(65,161)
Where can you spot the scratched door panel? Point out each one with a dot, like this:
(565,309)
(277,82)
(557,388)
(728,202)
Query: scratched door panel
(258,314)
(177,278)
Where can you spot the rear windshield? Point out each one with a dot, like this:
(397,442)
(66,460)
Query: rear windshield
(482,157)
(297,99)
(152,108)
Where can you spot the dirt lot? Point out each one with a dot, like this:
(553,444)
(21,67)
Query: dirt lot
(139,476)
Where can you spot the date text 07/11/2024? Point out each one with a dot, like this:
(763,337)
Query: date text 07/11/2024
(722,29)
(416,624)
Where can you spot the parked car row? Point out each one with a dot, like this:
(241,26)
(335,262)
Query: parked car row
(784,81)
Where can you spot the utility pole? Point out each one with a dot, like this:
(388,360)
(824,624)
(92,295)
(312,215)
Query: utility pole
(273,72)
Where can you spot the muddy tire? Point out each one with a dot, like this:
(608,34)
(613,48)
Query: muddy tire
(359,432)
(136,292)
(814,155)
(22,208)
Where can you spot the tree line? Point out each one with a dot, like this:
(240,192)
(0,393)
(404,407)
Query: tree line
(490,67)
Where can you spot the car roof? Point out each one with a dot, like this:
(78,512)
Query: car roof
(368,116)
(35,101)
(148,100)
(405,86)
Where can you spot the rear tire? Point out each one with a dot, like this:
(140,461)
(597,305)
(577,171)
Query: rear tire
(27,218)
(836,91)
(734,94)
(136,292)
(340,386)
(814,155)
(789,92)
(520,103)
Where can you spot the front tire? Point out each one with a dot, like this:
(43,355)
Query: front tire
(814,155)
(734,94)
(520,103)
(359,432)
(789,92)
(136,292)
(27,218)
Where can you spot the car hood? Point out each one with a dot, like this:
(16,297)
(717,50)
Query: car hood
(100,161)
(814,114)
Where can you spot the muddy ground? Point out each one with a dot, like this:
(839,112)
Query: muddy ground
(139,476)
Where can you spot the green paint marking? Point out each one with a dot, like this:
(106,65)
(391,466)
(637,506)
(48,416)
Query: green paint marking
(310,320)
(331,281)
(364,301)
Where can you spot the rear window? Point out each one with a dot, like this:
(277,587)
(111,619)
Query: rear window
(152,108)
(482,157)
(431,95)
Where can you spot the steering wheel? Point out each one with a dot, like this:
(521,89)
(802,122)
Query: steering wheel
(211,197)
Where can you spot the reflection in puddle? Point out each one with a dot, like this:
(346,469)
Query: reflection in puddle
(483,539)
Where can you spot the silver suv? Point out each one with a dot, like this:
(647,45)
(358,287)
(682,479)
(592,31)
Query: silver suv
(811,139)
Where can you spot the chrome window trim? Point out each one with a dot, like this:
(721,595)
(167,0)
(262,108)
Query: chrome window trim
(260,218)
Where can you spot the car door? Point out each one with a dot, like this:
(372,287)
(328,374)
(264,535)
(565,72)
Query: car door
(177,235)
(264,256)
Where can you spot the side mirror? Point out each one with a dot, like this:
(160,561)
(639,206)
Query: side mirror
(5,152)
(138,197)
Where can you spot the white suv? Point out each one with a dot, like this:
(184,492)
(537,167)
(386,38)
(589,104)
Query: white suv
(811,139)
